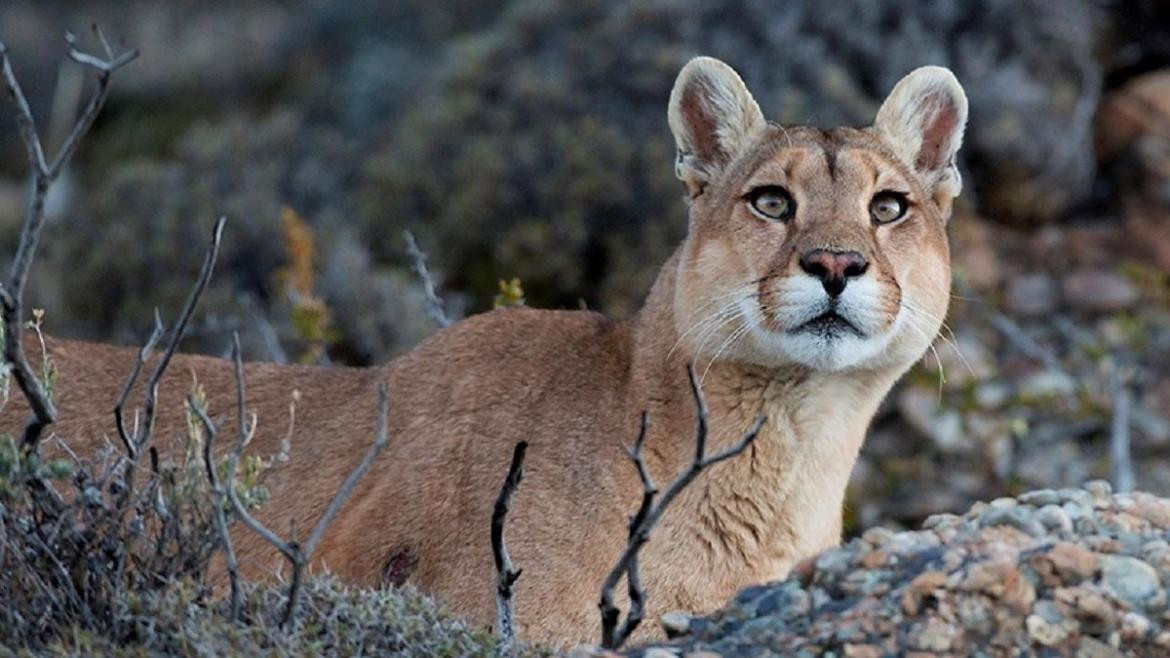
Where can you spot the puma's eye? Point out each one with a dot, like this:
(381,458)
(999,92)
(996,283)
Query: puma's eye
(773,202)
(888,207)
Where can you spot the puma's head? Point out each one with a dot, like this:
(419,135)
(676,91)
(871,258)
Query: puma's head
(825,248)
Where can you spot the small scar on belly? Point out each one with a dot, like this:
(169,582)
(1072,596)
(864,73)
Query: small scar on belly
(398,568)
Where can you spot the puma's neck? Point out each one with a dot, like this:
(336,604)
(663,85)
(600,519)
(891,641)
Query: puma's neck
(780,500)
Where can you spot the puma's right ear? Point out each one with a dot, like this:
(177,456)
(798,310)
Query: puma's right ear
(713,117)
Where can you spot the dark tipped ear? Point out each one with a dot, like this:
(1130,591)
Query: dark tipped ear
(713,117)
(923,120)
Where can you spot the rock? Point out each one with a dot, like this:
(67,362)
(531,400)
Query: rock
(1040,497)
(834,561)
(1047,384)
(1031,295)
(1067,562)
(1134,626)
(659,652)
(675,624)
(1014,517)
(1099,291)
(1045,632)
(1055,519)
(1100,490)
(1139,109)
(935,635)
(992,395)
(863,651)
(1130,580)
(920,587)
(920,409)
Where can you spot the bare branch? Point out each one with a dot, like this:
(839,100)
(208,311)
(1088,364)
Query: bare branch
(297,554)
(650,511)
(105,68)
(351,482)
(177,334)
(44,412)
(505,575)
(219,501)
(119,406)
(434,302)
(1119,434)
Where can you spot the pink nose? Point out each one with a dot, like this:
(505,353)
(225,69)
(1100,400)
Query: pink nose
(833,268)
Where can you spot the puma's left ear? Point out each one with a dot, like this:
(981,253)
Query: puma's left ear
(923,120)
(713,117)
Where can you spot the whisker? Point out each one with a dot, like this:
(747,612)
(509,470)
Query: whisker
(741,331)
(953,340)
(942,377)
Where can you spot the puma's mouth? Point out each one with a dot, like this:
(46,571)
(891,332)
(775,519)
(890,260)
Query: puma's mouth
(829,324)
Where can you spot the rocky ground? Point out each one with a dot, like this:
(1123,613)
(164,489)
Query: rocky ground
(1052,572)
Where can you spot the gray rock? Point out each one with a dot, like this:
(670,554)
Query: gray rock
(1031,295)
(1130,579)
(919,408)
(1040,497)
(1016,517)
(675,623)
(1055,519)
(1047,384)
(1099,291)
(835,561)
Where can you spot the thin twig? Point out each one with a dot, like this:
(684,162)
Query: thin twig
(219,501)
(651,511)
(44,412)
(119,406)
(506,575)
(177,333)
(1119,434)
(134,444)
(351,482)
(434,302)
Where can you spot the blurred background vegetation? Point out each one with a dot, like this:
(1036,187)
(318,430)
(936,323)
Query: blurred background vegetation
(527,138)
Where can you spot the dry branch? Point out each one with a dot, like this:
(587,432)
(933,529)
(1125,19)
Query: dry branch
(434,302)
(134,444)
(1119,434)
(44,173)
(650,511)
(219,500)
(505,575)
(298,554)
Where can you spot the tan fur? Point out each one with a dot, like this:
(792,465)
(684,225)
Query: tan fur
(573,384)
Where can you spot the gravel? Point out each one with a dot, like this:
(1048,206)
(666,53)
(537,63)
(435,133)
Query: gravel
(1077,571)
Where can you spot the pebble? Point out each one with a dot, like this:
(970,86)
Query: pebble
(1013,517)
(1047,384)
(1031,295)
(1040,497)
(919,407)
(1055,519)
(1099,291)
(1130,579)
(675,623)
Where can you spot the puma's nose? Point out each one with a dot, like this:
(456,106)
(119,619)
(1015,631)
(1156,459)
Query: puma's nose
(833,268)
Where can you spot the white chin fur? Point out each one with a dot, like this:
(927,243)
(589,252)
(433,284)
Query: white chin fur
(806,299)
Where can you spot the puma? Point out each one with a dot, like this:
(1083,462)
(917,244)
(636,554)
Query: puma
(814,273)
